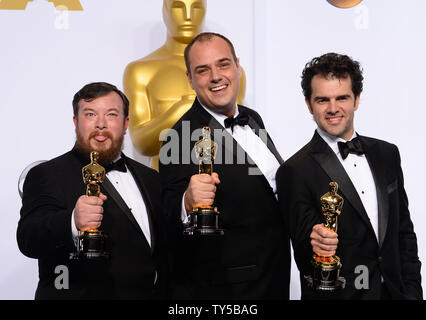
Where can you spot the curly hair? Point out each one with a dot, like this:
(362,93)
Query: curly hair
(335,65)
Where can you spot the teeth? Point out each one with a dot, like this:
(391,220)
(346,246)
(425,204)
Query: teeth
(219,88)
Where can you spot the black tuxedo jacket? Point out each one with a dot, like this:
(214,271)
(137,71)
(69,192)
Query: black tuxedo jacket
(51,190)
(251,260)
(304,178)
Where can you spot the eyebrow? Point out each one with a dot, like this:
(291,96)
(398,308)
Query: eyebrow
(328,98)
(321,98)
(207,66)
(113,109)
(343,96)
(85,109)
(201,67)
(223,60)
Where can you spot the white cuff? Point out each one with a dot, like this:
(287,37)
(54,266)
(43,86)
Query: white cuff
(74,230)
(183,216)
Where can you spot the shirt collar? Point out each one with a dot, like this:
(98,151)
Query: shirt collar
(332,140)
(218,116)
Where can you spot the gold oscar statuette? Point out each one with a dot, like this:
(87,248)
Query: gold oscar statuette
(91,242)
(204,218)
(326,269)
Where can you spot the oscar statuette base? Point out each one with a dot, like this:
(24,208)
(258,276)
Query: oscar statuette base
(204,221)
(90,246)
(326,274)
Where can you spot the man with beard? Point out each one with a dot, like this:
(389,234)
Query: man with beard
(128,210)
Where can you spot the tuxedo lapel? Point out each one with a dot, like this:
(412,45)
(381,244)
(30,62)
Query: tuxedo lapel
(232,150)
(228,142)
(327,159)
(378,169)
(113,193)
(264,136)
(231,147)
(146,199)
(225,144)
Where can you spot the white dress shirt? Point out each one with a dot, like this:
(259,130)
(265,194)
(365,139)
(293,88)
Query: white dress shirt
(126,186)
(358,170)
(253,145)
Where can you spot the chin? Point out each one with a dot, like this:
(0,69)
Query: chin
(100,147)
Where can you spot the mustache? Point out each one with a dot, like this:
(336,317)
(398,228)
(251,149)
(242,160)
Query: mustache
(103,133)
(105,156)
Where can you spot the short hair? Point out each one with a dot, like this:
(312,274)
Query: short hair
(206,36)
(96,90)
(332,64)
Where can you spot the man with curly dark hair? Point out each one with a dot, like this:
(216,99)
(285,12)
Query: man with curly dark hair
(375,239)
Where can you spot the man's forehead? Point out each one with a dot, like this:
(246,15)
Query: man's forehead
(329,80)
(332,76)
(109,101)
(213,55)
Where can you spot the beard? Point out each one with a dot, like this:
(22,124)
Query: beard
(106,156)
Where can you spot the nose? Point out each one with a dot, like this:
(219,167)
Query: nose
(101,122)
(333,107)
(215,75)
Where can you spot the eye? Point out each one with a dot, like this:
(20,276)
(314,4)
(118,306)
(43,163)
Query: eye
(90,114)
(201,70)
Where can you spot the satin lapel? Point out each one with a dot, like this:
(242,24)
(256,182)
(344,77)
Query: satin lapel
(226,139)
(230,144)
(147,200)
(264,136)
(327,159)
(378,169)
(113,193)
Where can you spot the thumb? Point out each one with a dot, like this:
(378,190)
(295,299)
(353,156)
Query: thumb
(102,196)
(215,177)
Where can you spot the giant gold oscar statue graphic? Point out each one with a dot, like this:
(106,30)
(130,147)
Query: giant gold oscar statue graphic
(91,242)
(204,219)
(157,85)
(326,269)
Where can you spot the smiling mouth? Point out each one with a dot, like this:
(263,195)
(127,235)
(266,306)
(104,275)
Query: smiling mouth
(334,119)
(216,89)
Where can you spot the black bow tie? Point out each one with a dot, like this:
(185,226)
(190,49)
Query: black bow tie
(240,120)
(118,165)
(353,146)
